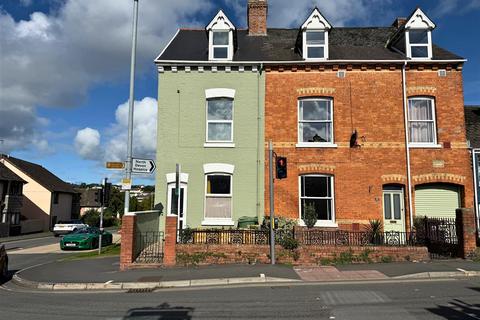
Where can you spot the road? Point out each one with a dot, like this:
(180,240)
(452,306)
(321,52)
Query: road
(428,300)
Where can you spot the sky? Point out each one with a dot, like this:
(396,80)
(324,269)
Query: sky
(64,68)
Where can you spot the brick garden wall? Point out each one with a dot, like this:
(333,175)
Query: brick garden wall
(201,254)
(369,100)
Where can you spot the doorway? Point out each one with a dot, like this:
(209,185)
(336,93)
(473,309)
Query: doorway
(393,209)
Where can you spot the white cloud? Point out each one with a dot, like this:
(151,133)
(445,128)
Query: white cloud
(52,60)
(87,142)
(454,7)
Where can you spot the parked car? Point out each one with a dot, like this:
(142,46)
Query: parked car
(3,262)
(85,238)
(65,227)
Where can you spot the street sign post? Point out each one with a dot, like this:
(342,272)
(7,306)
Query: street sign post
(143,166)
(115,165)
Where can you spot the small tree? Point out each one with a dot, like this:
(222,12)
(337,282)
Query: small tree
(310,217)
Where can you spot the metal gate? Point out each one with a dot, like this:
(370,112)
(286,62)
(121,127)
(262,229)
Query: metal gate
(149,247)
(439,235)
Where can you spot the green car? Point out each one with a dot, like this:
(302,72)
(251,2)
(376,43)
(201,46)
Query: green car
(85,238)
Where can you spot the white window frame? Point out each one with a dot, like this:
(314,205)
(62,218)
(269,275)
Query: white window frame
(434,143)
(229,46)
(218,169)
(215,93)
(320,223)
(306,45)
(410,45)
(305,144)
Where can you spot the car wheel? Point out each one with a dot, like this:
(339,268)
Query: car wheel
(56,235)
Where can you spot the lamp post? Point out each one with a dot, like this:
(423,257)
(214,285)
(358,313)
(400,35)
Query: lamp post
(128,167)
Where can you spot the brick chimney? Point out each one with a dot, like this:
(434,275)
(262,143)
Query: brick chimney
(399,22)
(257,17)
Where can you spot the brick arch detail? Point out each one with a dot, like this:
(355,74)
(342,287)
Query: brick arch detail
(438,178)
(394,179)
(315,168)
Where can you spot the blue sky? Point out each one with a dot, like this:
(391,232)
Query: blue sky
(64,67)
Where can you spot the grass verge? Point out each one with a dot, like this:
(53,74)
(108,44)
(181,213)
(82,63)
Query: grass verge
(111,250)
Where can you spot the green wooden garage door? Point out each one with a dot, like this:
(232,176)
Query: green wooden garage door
(436,201)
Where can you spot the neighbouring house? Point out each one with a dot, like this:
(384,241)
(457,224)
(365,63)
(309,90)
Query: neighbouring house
(340,104)
(472,123)
(89,199)
(11,199)
(210,122)
(45,196)
(371,120)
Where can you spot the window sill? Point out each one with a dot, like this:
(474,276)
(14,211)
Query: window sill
(424,146)
(323,224)
(315,145)
(218,145)
(218,222)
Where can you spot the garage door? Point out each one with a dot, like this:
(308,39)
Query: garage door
(438,200)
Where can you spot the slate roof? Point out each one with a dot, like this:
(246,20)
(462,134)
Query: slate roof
(472,123)
(8,175)
(41,175)
(281,45)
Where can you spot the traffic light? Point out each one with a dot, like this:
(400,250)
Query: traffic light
(107,190)
(98,195)
(281,167)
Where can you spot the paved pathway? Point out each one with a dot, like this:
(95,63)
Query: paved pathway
(333,274)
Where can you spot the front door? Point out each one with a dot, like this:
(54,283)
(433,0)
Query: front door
(393,210)
(173,204)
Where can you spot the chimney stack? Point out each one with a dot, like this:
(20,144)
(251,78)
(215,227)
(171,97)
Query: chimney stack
(257,17)
(399,22)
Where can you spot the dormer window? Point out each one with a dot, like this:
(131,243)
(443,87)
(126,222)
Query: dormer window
(315,37)
(418,36)
(220,38)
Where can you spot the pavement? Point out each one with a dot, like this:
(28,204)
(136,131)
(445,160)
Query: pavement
(103,273)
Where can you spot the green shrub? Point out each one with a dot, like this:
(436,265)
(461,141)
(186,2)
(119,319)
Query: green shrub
(310,217)
(375,231)
(289,243)
(364,256)
(386,259)
(345,257)
(92,218)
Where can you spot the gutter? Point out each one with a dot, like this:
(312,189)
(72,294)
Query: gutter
(304,62)
(407,147)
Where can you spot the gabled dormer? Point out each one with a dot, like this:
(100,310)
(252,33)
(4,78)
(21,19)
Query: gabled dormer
(315,37)
(418,35)
(220,38)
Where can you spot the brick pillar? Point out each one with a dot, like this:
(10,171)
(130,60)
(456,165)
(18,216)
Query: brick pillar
(466,232)
(127,250)
(169,251)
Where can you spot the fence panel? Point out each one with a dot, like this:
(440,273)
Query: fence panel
(356,238)
(439,235)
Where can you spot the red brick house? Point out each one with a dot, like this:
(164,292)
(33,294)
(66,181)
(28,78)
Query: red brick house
(338,101)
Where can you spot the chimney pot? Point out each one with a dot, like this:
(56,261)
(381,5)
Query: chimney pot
(257,17)
(399,22)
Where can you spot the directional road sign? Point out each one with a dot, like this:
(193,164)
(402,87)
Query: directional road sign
(115,165)
(143,166)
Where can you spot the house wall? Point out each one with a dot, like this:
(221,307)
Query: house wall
(181,138)
(36,200)
(63,209)
(369,100)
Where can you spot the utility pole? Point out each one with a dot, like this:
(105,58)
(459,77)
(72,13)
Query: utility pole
(128,167)
(272,214)
(102,204)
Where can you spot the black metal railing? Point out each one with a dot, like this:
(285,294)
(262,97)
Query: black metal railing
(439,235)
(218,236)
(356,238)
(149,247)
(305,237)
